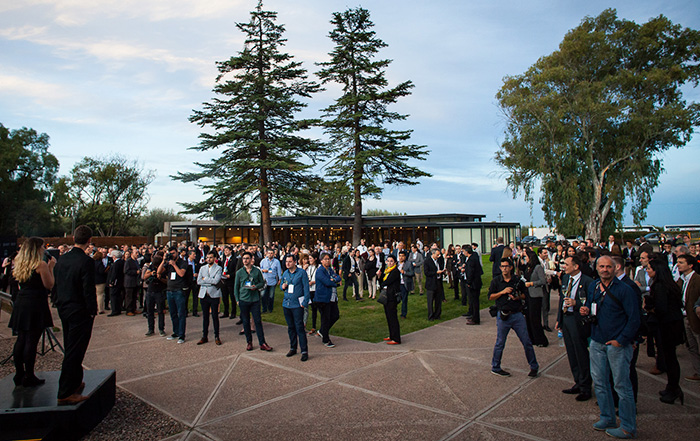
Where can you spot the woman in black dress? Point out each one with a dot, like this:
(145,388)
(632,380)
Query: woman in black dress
(391,280)
(665,305)
(30,312)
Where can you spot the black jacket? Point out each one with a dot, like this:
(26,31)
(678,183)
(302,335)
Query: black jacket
(495,257)
(100,272)
(431,275)
(473,272)
(131,273)
(584,284)
(75,284)
(392,283)
(115,278)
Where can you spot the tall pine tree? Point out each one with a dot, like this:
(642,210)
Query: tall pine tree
(367,154)
(253,122)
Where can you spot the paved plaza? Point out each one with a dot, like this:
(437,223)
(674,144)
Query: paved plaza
(437,385)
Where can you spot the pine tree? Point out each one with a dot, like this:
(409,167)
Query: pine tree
(253,123)
(366,154)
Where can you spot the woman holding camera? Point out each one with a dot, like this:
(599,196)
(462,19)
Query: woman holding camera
(664,303)
(31,314)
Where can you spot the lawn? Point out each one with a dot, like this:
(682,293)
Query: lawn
(366,321)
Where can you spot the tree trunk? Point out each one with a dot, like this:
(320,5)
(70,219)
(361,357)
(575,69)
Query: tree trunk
(265,219)
(357,221)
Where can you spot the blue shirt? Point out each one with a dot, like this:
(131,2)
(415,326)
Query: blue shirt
(616,321)
(299,281)
(272,276)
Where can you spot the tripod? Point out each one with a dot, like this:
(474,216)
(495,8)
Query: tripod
(48,343)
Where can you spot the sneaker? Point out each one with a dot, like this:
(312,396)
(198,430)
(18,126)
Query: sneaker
(533,373)
(149,333)
(329,344)
(500,372)
(603,425)
(695,378)
(162,333)
(620,433)
(181,341)
(172,337)
(318,334)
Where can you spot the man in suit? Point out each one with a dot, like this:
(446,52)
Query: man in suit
(575,287)
(115,281)
(416,260)
(208,278)
(131,278)
(472,285)
(690,288)
(76,301)
(495,257)
(457,262)
(406,270)
(629,254)
(433,284)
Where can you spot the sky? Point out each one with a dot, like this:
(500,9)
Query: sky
(123,76)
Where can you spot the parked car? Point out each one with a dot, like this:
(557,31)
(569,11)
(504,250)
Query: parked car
(530,240)
(652,238)
(548,238)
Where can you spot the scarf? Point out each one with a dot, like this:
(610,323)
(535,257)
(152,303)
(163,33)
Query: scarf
(388,270)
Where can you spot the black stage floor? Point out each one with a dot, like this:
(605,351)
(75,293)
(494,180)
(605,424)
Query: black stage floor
(32,413)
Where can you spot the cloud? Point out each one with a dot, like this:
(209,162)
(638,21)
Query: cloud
(38,90)
(79,12)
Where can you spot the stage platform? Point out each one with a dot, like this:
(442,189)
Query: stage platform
(32,413)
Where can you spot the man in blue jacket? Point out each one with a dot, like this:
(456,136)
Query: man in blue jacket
(615,312)
(295,286)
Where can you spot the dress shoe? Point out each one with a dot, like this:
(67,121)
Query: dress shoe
(573,391)
(217,340)
(670,397)
(202,341)
(249,347)
(304,356)
(149,333)
(239,322)
(471,322)
(533,373)
(112,315)
(32,381)
(265,347)
(71,400)
(655,371)
(223,316)
(583,396)
(241,332)
(291,352)
(130,314)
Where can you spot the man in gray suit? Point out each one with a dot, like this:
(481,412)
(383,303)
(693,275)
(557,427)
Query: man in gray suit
(208,280)
(641,278)
(415,259)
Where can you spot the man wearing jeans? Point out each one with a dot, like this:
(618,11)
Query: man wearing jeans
(174,269)
(249,283)
(295,285)
(507,293)
(616,318)
(272,272)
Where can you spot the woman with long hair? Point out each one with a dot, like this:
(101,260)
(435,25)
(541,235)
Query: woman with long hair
(31,313)
(535,281)
(391,280)
(372,266)
(665,304)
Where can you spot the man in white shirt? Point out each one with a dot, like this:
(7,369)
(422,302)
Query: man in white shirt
(362,247)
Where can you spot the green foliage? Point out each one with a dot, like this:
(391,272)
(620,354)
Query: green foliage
(109,193)
(151,223)
(589,121)
(380,212)
(27,173)
(252,121)
(366,153)
(329,198)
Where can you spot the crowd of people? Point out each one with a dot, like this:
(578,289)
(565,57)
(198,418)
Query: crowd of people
(612,298)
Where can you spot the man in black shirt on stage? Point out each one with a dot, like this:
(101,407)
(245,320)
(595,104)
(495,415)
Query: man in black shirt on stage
(76,301)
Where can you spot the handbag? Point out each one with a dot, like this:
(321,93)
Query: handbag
(382,297)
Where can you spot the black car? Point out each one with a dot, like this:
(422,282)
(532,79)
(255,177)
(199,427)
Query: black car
(530,240)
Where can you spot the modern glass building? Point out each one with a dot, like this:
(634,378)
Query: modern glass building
(444,229)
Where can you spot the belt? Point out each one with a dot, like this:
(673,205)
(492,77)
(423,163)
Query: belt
(568,313)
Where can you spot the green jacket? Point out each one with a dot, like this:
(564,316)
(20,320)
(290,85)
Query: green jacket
(247,294)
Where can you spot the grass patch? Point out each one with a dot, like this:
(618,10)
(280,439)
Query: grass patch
(366,321)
